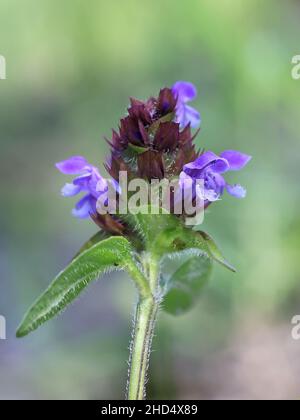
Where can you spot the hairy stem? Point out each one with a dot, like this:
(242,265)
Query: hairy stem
(140,281)
(143,329)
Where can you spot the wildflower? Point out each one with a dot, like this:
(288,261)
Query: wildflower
(88,181)
(154,141)
(185,114)
(210,167)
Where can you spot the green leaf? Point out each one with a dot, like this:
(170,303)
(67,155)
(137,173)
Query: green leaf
(190,269)
(183,279)
(206,241)
(99,236)
(139,150)
(112,253)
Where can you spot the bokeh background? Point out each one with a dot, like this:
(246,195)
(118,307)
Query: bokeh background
(71,67)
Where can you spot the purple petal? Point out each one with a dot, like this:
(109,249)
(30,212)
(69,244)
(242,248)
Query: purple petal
(215,182)
(207,159)
(236,190)
(91,181)
(102,185)
(116,186)
(211,195)
(185,91)
(72,166)
(192,116)
(187,184)
(186,114)
(83,180)
(69,190)
(96,177)
(180,115)
(84,207)
(236,160)
(184,178)
(204,193)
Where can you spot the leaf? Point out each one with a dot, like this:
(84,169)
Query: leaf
(112,253)
(99,236)
(213,250)
(190,269)
(183,279)
(139,150)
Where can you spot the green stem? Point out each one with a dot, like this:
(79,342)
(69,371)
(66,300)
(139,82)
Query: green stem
(145,317)
(140,280)
(143,329)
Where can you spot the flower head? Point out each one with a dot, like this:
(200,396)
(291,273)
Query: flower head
(151,136)
(154,141)
(185,114)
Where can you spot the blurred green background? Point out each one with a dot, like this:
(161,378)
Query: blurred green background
(71,67)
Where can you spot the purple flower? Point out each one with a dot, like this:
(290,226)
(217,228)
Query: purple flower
(88,181)
(185,114)
(209,167)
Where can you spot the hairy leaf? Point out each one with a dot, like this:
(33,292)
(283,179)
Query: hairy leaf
(112,253)
(184,280)
(204,241)
(99,236)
